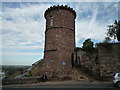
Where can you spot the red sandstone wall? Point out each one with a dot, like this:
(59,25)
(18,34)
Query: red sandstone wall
(59,40)
(61,18)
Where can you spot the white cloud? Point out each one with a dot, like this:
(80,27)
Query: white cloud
(61,0)
(96,31)
(26,29)
(19,53)
(23,25)
(22,47)
(90,26)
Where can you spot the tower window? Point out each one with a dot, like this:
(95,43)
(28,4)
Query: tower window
(51,20)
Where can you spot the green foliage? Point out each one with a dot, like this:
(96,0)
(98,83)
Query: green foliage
(12,71)
(29,74)
(113,31)
(77,49)
(88,45)
(107,40)
(118,31)
(107,45)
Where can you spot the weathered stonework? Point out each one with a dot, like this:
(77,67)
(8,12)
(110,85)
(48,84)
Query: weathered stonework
(59,39)
(109,57)
(59,52)
(103,62)
(89,60)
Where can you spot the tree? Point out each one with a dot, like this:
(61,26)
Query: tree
(87,45)
(118,32)
(113,31)
(107,39)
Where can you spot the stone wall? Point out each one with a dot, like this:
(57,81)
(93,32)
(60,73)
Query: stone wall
(103,62)
(89,60)
(109,57)
(59,40)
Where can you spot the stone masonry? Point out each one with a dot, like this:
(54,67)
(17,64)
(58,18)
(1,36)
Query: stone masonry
(59,39)
(103,62)
(109,57)
(59,52)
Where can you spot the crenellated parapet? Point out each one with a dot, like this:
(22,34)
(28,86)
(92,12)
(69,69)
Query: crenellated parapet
(54,8)
(59,40)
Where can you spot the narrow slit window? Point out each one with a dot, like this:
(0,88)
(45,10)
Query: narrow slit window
(51,21)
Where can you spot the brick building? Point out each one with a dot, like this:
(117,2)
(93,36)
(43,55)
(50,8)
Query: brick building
(59,39)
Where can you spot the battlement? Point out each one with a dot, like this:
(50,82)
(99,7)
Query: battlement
(54,8)
(59,40)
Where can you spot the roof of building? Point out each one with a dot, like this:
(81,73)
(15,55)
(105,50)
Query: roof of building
(53,8)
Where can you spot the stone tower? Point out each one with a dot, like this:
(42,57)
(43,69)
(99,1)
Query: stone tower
(59,39)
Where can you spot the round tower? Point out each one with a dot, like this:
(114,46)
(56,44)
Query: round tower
(59,38)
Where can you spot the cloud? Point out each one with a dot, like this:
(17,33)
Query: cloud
(27,24)
(19,53)
(22,32)
(23,24)
(92,20)
(22,47)
(96,31)
(72,0)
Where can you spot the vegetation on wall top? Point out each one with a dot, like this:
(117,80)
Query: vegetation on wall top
(113,32)
(87,46)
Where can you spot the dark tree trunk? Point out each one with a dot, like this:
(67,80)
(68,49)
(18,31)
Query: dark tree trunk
(72,61)
(118,35)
